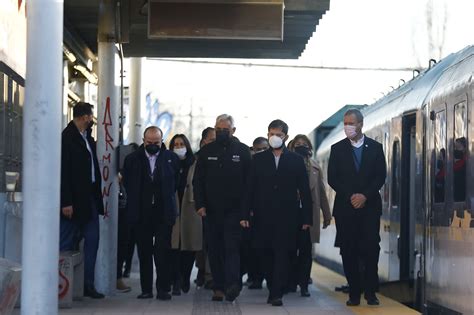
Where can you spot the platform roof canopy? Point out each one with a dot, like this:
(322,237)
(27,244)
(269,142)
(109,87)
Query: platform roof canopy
(271,29)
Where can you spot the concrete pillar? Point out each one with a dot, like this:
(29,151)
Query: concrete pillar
(42,157)
(108,138)
(135,119)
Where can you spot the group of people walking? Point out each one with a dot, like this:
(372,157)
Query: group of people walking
(229,208)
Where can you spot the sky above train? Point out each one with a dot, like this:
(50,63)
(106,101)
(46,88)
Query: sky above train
(372,34)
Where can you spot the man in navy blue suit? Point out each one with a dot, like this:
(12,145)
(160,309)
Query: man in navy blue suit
(357,172)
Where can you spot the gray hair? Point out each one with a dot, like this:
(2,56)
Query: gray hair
(223,117)
(355,112)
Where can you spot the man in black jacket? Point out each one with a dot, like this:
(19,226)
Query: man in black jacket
(150,179)
(219,186)
(357,172)
(278,185)
(81,198)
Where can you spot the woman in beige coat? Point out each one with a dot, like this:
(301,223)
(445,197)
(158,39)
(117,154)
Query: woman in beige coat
(303,259)
(186,238)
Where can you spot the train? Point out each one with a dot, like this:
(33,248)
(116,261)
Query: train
(427,222)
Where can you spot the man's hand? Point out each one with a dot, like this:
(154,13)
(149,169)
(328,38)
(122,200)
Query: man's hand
(67,212)
(202,212)
(326,224)
(244,224)
(358,201)
(305,227)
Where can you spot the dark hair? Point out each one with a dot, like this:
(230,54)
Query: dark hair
(186,143)
(260,140)
(462,141)
(82,109)
(290,145)
(152,128)
(304,138)
(279,124)
(355,112)
(134,146)
(205,132)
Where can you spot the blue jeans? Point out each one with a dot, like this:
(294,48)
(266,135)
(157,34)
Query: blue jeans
(72,232)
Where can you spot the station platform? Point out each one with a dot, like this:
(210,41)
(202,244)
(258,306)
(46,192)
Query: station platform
(323,301)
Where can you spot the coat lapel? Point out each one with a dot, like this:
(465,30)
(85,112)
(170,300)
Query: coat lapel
(350,154)
(365,155)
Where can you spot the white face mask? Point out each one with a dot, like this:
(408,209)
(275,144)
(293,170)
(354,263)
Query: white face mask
(350,131)
(275,142)
(181,152)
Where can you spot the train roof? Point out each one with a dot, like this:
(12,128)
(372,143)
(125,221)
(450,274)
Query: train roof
(412,95)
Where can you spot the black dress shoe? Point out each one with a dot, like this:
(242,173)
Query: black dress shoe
(277,302)
(304,292)
(92,293)
(269,300)
(373,301)
(232,293)
(185,286)
(218,296)
(145,296)
(163,296)
(354,302)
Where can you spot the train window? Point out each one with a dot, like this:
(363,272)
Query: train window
(459,152)
(396,174)
(440,149)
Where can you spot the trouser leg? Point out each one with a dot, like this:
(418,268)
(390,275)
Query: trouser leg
(216,250)
(232,236)
(90,232)
(123,239)
(161,250)
(187,262)
(280,272)
(145,256)
(350,260)
(305,261)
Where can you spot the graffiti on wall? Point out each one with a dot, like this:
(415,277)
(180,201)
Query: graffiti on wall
(107,157)
(155,117)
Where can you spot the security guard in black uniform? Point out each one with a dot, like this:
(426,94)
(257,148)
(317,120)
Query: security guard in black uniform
(219,188)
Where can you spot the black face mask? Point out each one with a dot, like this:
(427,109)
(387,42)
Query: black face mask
(90,124)
(222,135)
(152,149)
(303,151)
(458,154)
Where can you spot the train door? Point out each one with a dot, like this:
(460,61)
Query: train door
(406,246)
(395,196)
(437,169)
(402,198)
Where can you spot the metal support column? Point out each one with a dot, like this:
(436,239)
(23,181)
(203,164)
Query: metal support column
(108,138)
(135,119)
(42,157)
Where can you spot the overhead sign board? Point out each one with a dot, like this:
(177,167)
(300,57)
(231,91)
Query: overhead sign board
(206,19)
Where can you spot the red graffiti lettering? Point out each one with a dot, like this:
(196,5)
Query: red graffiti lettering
(105,173)
(107,122)
(63,282)
(106,210)
(106,190)
(107,158)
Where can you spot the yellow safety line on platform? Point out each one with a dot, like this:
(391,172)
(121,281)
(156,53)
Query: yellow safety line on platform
(326,280)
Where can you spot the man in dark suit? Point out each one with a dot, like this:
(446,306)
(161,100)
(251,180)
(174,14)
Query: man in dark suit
(357,172)
(220,177)
(150,178)
(278,186)
(81,198)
